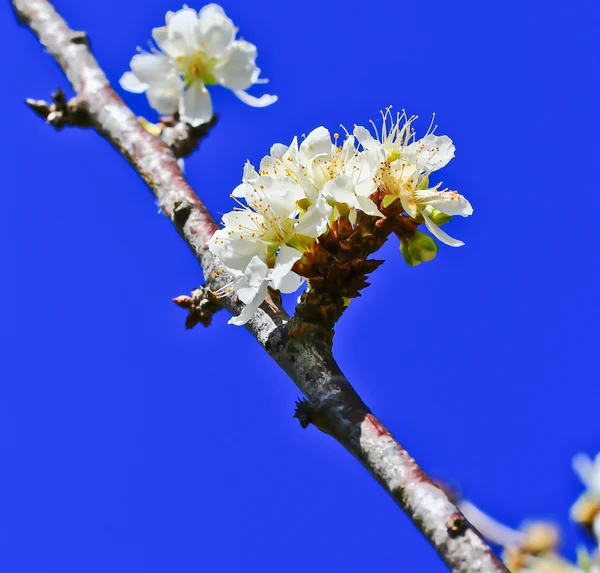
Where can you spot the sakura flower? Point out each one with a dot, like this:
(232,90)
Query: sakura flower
(586,509)
(269,227)
(250,286)
(197,50)
(319,165)
(405,167)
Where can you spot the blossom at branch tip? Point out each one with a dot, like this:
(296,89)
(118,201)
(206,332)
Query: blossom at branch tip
(405,165)
(197,49)
(298,219)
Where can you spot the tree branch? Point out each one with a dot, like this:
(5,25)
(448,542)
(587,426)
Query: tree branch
(304,355)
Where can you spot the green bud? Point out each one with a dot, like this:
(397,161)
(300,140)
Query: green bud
(438,217)
(422,247)
(408,258)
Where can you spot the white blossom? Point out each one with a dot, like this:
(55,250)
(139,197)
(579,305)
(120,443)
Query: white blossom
(323,168)
(588,471)
(250,286)
(268,227)
(404,169)
(196,50)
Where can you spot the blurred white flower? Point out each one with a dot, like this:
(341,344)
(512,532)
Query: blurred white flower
(197,50)
(586,509)
(588,471)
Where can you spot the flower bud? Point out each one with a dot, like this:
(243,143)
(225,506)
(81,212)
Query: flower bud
(408,258)
(438,217)
(422,247)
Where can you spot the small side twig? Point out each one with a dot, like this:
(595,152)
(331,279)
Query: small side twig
(182,138)
(61,112)
(200,306)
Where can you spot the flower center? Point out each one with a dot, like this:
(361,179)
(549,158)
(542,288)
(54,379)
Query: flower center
(196,67)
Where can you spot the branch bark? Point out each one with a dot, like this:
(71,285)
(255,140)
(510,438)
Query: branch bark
(333,405)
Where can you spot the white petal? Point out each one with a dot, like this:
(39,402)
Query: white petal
(596,527)
(431,153)
(278,150)
(279,196)
(164,96)
(250,173)
(362,170)
(408,203)
(237,253)
(262,101)
(290,282)
(292,151)
(182,34)
(239,68)
(439,234)
(249,177)
(243,191)
(584,468)
(255,275)
(341,190)
(246,293)
(595,487)
(173,49)
(242,222)
(448,202)
(211,10)
(366,139)
(317,142)
(270,166)
(369,207)
(315,220)
(256,272)
(151,67)
(282,277)
(130,82)
(251,307)
(195,106)
(214,30)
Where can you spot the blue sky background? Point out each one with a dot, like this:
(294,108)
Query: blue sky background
(129,444)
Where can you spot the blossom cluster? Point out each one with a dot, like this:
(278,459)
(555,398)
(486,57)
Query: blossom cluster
(300,190)
(534,547)
(195,50)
